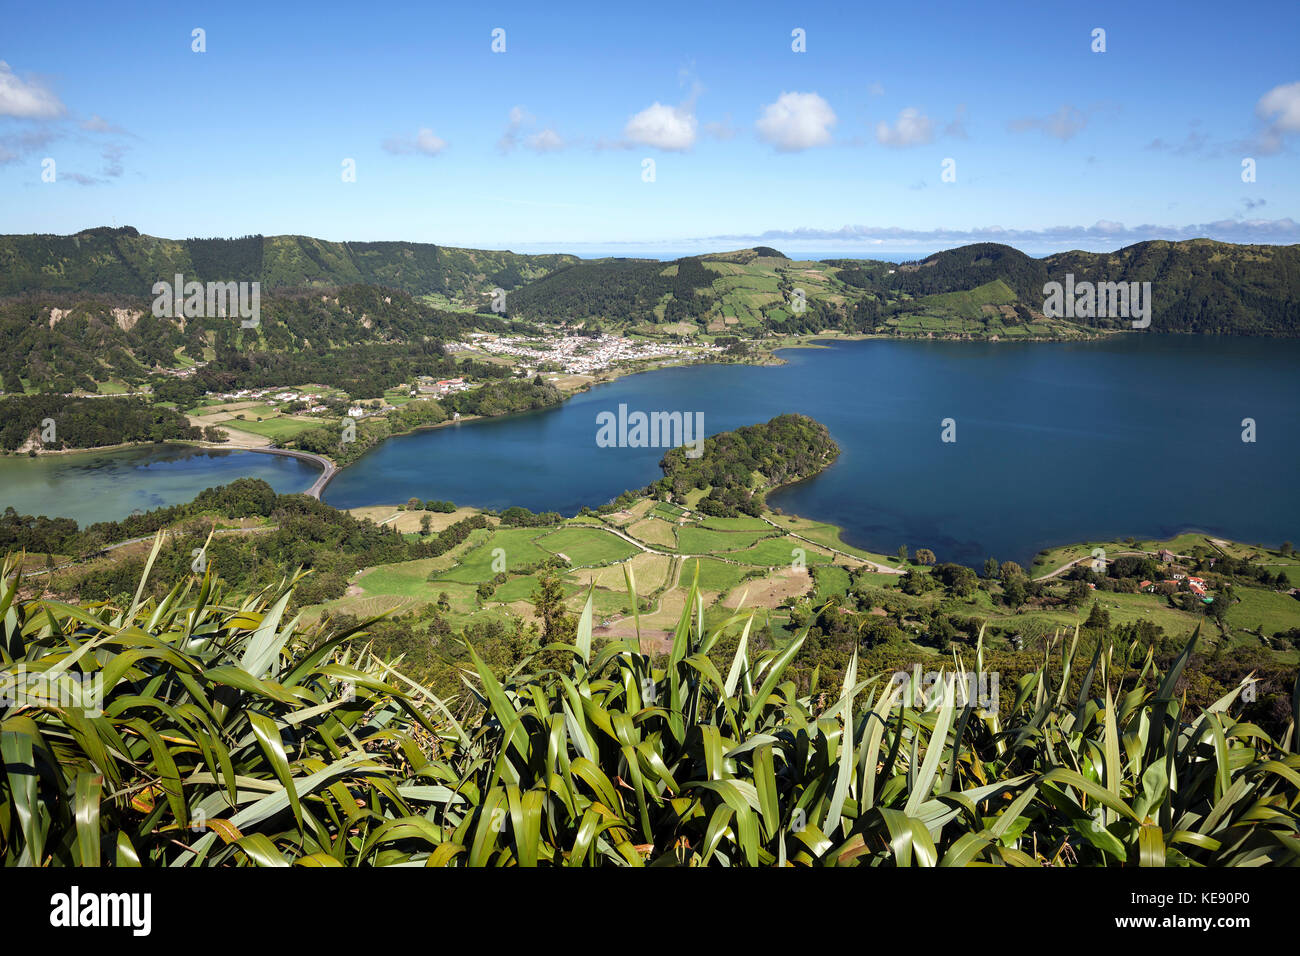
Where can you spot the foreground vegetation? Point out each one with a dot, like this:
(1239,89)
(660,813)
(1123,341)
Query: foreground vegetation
(219,733)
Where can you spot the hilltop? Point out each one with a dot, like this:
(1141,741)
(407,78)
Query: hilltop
(125,262)
(984,289)
(76,311)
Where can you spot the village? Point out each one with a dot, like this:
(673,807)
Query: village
(576,354)
(1177,579)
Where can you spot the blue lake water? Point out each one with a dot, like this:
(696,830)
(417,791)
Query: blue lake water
(107,485)
(1055,443)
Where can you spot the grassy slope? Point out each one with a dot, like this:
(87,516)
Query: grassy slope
(598,557)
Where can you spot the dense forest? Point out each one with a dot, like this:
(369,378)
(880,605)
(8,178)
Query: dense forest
(368,331)
(124,262)
(301,533)
(88,422)
(621,290)
(359,336)
(491,399)
(738,466)
(1197,286)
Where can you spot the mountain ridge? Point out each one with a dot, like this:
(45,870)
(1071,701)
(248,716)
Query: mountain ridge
(1198,285)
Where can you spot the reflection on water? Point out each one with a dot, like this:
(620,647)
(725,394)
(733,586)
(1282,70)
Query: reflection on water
(100,486)
(1056,443)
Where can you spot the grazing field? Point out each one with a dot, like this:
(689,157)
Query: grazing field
(770,591)
(409,521)
(1271,610)
(831,580)
(666,510)
(650,571)
(519,547)
(521,589)
(713,575)
(655,532)
(280,428)
(692,539)
(735,524)
(585,547)
(407,579)
(754,561)
(632,514)
(781,550)
(829,535)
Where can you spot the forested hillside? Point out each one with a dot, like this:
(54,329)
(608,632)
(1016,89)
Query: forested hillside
(79,306)
(625,290)
(1197,286)
(738,466)
(982,289)
(58,343)
(125,262)
(88,422)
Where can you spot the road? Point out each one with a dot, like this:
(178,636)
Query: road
(883,569)
(328,468)
(1114,554)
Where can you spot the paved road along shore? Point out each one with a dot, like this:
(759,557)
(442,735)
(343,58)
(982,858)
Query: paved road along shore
(328,468)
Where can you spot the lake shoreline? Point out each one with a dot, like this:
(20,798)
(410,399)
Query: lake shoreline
(850,524)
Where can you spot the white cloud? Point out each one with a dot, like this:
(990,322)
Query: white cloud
(1062,125)
(663,127)
(542,141)
(957,127)
(424,142)
(113,160)
(21,144)
(720,130)
(27,99)
(519,117)
(1104,233)
(1194,143)
(545,141)
(1284,101)
(796,121)
(913,128)
(1279,110)
(428,143)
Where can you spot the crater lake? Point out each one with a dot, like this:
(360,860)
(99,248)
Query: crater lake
(1055,443)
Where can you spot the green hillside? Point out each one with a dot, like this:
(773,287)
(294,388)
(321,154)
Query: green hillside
(211,727)
(982,289)
(60,342)
(1196,286)
(124,262)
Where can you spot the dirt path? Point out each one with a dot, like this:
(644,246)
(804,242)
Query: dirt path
(881,568)
(1118,554)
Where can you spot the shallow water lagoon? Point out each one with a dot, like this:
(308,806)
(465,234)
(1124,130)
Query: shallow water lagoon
(107,485)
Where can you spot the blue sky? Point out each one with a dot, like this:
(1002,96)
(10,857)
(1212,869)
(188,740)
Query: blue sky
(840,148)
